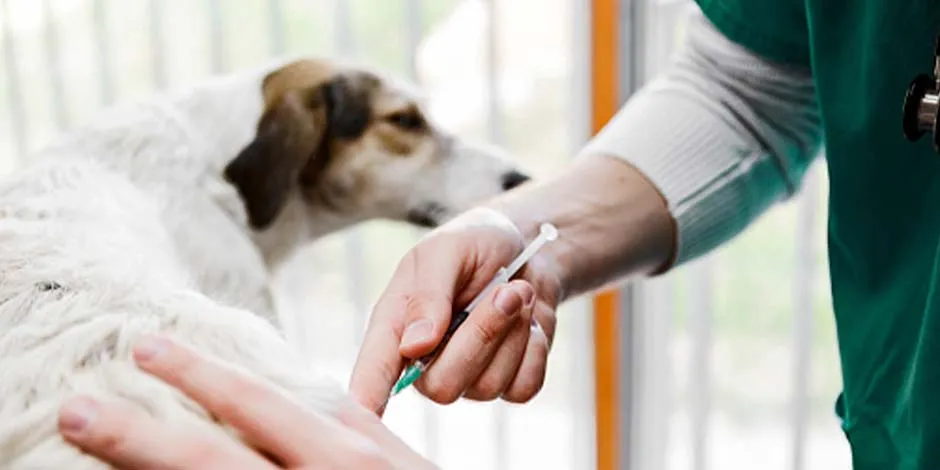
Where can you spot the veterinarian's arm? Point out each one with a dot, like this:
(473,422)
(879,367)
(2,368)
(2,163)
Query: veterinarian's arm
(288,434)
(687,164)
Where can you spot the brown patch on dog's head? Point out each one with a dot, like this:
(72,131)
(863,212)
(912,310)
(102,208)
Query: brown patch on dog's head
(352,142)
(291,143)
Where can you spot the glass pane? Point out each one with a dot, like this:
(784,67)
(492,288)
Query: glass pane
(155,44)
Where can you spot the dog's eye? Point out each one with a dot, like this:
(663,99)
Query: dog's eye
(407,120)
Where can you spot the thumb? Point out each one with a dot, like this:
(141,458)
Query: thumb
(428,316)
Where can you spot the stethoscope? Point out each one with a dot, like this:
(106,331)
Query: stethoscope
(922,103)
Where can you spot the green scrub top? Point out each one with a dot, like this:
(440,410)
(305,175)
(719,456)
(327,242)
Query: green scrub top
(884,208)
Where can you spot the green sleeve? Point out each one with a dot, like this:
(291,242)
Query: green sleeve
(774,29)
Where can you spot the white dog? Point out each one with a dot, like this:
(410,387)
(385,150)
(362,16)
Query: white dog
(170,214)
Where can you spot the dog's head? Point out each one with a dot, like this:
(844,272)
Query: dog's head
(350,141)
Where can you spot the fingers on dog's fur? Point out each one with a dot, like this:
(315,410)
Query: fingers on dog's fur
(269,419)
(130,439)
(378,364)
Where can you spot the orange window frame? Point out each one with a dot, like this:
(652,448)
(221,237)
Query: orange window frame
(605,50)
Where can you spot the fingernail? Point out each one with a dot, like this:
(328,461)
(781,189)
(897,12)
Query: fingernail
(77,414)
(419,331)
(528,296)
(508,301)
(149,348)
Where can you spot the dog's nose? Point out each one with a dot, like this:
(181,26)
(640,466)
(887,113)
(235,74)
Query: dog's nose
(513,179)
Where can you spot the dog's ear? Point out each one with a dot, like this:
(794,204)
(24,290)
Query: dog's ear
(290,135)
(294,140)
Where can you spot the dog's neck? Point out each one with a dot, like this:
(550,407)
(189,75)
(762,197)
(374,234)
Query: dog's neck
(297,225)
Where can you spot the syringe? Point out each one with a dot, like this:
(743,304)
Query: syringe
(547,233)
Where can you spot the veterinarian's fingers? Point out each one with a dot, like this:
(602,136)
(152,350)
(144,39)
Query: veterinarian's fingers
(269,419)
(497,376)
(128,439)
(378,365)
(475,343)
(531,375)
(427,296)
(408,320)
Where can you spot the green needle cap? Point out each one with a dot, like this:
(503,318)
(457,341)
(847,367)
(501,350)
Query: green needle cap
(412,373)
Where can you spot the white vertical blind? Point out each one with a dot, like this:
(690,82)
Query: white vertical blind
(54,66)
(103,44)
(804,295)
(216,37)
(581,341)
(700,328)
(496,134)
(15,108)
(157,56)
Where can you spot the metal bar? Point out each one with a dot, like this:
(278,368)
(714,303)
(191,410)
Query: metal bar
(636,322)
(630,358)
(276,26)
(579,106)
(157,57)
(700,373)
(632,59)
(216,37)
(803,295)
(53,61)
(105,75)
(18,122)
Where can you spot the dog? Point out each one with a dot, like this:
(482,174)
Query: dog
(170,214)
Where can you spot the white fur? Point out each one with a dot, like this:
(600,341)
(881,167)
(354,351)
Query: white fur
(125,227)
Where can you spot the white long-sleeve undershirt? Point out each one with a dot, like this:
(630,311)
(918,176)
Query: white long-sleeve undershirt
(723,133)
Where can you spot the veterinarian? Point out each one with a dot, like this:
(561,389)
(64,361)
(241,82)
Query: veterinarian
(758,89)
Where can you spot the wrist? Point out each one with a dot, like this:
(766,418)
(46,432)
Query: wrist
(550,268)
(543,269)
(612,223)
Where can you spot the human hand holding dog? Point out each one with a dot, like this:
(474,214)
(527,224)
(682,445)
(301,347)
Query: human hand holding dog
(282,433)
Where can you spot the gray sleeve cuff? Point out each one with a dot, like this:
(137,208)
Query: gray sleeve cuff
(723,135)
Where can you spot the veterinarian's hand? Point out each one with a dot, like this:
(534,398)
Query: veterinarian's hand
(498,352)
(282,433)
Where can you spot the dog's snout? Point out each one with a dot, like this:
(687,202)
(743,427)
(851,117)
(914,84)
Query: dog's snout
(513,179)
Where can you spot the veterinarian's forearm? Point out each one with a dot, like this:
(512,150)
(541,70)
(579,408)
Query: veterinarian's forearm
(700,153)
(724,134)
